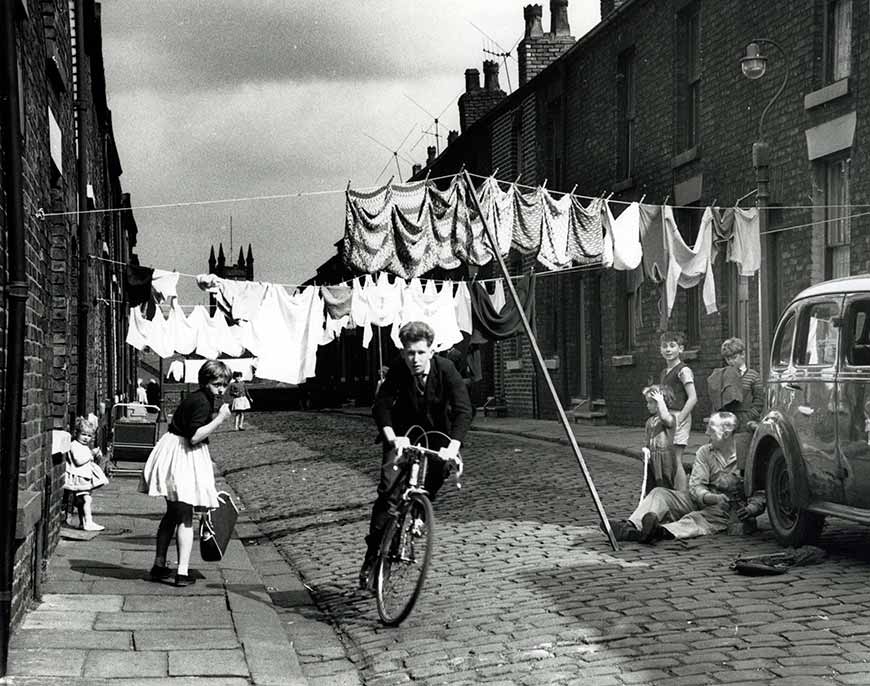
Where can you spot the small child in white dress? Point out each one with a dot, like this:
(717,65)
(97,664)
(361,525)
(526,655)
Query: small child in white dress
(83,474)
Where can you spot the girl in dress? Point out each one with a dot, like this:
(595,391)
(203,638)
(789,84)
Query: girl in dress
(240,400)
(180,470)
(83,474)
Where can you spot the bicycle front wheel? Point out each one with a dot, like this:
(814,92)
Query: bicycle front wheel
(406,549)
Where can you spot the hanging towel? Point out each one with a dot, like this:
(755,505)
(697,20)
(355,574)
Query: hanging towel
(176,371)
(625,233)
(492,325)
(528,219)
(434,307)
(181,335)
(652,241)
(206,338)
(159,336)
(554,233)
(497,296)
(164,285)
(337,300)
(687,266)
(745,248)
(240,300)
(288,329)
(376,303)
(586,232)
(137,281)
(138,329)
(462,306)
(226,337)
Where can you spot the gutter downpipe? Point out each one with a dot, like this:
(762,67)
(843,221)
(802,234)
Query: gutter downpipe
(16,304)
(82,172)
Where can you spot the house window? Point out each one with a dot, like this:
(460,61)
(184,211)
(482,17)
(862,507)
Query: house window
(689,75)
(631,312)
(838,40)
(837,222)
(625,104)
(688,224)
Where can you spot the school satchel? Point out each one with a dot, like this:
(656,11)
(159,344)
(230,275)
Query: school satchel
(216,528)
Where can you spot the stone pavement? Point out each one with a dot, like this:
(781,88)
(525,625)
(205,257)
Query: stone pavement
(524,588)
(101,622)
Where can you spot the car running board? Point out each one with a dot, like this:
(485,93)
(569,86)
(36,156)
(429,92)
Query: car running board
(854,514)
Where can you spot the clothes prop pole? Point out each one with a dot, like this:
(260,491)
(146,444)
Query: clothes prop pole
(540,359)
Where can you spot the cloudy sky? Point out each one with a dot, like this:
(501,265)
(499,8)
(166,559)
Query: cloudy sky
(218,99)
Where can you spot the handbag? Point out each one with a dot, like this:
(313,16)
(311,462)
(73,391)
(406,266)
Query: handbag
(216,528)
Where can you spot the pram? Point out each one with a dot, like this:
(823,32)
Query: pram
(134,434)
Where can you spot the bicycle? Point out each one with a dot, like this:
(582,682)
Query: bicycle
(406,546)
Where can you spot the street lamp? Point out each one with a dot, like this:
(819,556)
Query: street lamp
(754,65)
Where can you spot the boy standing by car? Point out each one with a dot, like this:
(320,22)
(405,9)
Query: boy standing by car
(679,378)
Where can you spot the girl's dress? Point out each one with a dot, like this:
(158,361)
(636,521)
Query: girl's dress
(663,460)
(239,395)
(177,470)
(85,477)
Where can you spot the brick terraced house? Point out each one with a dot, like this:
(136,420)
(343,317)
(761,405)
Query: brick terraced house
(651,103)
(63,320)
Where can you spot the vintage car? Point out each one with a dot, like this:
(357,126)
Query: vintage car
(811,451)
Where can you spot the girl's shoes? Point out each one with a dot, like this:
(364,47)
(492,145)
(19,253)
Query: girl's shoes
(184,580)
(159,573)
(92,526)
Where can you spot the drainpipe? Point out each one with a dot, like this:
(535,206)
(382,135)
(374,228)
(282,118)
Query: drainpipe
(82,172)
(16,302)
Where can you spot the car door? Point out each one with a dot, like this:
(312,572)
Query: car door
(810,394)
(853,437)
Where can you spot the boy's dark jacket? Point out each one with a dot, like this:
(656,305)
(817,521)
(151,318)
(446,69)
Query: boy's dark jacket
(446,406)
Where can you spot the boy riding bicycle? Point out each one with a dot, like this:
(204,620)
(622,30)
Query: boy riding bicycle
(419,390)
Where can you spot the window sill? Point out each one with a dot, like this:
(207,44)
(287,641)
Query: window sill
(513,365)
(622,361)
(686,157)
(552,363)
(832,91)
(623,185)
(689,354)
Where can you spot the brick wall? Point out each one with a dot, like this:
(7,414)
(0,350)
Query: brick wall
(51,251)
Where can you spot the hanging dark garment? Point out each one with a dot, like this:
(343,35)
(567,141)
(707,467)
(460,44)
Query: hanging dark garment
(494,326)
(652,241)
(138,284)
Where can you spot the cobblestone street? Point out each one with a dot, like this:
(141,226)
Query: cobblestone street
(524,588)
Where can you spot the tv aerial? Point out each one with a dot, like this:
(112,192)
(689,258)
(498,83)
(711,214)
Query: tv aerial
(436,119)
(394,153)
(499,52)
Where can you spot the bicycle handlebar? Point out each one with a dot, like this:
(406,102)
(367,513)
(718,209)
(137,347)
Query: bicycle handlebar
(457,459)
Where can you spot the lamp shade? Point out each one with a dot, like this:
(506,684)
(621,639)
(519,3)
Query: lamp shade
(753,64)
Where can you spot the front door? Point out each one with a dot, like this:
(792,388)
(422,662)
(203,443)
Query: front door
(854,394)
(810,395)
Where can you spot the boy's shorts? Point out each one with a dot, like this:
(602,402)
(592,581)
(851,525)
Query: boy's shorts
(681,431)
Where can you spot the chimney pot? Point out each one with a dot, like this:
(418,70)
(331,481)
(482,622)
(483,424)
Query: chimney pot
(532,14)
(431,153)
(559,25)
(472,80)
(452,136)
(490,75)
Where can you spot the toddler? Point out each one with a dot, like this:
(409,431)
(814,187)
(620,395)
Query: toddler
(83,474)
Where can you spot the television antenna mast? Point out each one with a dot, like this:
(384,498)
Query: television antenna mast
(436,118)
(499,53)
(393,152)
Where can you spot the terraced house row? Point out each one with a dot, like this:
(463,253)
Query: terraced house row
(653,103)
(62,322)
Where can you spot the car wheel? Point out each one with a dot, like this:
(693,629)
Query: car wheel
(791,525)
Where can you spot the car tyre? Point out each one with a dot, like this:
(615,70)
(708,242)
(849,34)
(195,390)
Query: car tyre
(791,525)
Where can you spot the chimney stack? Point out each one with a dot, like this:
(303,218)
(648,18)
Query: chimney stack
(472,80)
(431,153)
(490,76)
(452,136)
(532,14)
(537,50)
(559,18)
(416,168)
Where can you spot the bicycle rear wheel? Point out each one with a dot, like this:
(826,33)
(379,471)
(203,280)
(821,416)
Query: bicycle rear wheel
(406,549)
